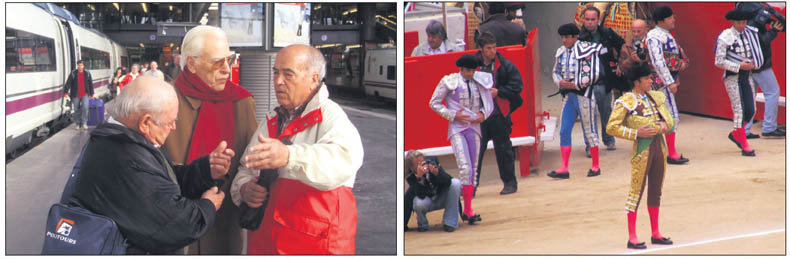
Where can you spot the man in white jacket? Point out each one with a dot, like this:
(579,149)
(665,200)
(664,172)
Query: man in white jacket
(311,209)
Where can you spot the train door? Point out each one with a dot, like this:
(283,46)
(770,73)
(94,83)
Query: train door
(69,45)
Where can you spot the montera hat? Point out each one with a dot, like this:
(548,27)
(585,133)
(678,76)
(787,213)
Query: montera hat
(638,71)
(568,29)
(661,13)
(468,61)
(738,15)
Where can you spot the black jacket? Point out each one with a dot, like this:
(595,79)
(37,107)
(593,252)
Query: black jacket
(613,43)
(506,32)
(430,187)
(766,36)
(507,81)
(124,177)
(71,84)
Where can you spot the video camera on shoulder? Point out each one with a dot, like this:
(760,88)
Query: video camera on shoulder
(764,14)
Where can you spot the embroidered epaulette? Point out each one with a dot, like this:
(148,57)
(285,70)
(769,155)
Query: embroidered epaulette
(484,78)
(560,51)
(584,49)
(658,96)
(629,101)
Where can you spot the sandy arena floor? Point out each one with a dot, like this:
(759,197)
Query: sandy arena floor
(718,203)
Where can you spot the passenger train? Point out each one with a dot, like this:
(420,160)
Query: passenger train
(381,72)
(43,44)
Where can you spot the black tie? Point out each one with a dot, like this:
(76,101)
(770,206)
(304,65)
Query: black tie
(469,88)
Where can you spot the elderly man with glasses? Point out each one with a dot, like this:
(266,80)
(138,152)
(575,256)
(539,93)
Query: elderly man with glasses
(212,109)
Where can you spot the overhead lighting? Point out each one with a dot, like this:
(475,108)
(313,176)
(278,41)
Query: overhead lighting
(171,44)
(384,18)
(171,7)
(350,11)
(353,46)
(317,7)
(213,7)
(117,7)
(327,46)
(91,7)
(145,8)
(142,46)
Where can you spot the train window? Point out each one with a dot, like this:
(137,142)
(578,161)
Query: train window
(95,59)
(381,70)
(27,52)
(390,72)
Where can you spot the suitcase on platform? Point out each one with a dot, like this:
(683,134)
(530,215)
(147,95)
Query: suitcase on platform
(95,111)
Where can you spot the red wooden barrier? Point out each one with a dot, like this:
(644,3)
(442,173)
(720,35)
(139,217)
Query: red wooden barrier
(410,41)
(701,85)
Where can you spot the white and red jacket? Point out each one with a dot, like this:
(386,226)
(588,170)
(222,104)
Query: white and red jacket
(311,208)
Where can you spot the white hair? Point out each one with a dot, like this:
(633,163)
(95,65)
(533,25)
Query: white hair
(316,63)
(149,95)
(193,41)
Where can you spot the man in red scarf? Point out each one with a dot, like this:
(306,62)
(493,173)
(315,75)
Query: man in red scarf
(311,209)
(211,109)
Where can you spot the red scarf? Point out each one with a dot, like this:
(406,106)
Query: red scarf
(216,116)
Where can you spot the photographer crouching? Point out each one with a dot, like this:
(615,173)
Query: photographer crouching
(430,188)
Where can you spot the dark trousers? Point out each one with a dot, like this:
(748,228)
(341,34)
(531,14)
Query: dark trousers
(654,174)
(498,128)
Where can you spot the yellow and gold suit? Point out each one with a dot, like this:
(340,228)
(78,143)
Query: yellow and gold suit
(631,112)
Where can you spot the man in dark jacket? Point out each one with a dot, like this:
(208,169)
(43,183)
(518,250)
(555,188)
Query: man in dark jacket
(505,32)
(766,79)
(79,87)
(430,188)
(124,176)
(592,31)
(507,97)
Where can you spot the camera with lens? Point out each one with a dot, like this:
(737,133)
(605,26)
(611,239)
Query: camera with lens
(763,14)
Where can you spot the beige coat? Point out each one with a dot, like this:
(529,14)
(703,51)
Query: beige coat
(324,156)
(225,237)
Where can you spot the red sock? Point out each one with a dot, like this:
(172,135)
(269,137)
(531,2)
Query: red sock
(566,156)
(594,154)
(671,146)
(468,191)
(653,211)
(632,228)
(740,136)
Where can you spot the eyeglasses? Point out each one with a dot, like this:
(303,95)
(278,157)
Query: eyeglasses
(217,63)
(171,124)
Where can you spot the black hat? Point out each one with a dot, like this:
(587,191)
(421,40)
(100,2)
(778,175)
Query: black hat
(468,61)
(739,15)
(661,13)
(568,29)
(513,6)
(638,71)
(496,7)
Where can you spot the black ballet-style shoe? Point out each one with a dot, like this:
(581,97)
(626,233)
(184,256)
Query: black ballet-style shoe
(749,153)
(637,246)
(660,241)
(677,161)
(556,175)
(592,173)
(474,219)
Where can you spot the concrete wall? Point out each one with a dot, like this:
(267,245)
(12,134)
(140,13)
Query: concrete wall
(547,17)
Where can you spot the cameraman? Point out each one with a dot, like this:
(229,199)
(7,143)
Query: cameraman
(430,188)
(633,52)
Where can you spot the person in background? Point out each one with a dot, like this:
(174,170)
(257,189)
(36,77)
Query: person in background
(765,78)
(175,71)
(667,60)
(433,189)
(79,87)
(592,31)
(505,32)
(133,74)
(464,99)
(738,52)
(507,98)
(642,116)
(116,82)
(211,109)
(576,69)
(154,71)
(437,42)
